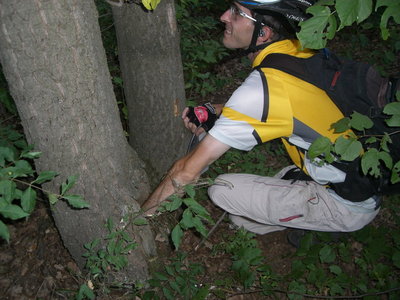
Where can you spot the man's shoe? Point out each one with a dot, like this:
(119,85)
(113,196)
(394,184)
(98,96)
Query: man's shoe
(294,237)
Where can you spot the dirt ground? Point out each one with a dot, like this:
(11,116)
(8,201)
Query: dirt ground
(35,264)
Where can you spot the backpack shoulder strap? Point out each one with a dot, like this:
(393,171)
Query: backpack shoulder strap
(307,69)
(286,63)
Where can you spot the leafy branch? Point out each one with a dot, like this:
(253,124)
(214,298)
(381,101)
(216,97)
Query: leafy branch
(194,214)
(373,149)
(15,168)
(330,16)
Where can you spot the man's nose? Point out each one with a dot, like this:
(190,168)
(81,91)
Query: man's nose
(225,17)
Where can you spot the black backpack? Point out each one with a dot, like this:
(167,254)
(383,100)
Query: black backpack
(352,86)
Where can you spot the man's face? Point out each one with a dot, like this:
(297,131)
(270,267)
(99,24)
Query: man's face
(238,30)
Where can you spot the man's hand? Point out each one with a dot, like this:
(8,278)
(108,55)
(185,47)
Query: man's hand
(192,126)
(189,125)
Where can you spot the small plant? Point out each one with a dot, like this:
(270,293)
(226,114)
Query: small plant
(19,183)
(103,257)
(364,263)
(246,256)
(194,214)
(178,281)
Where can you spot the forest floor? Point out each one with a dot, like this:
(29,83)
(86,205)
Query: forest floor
(36,265)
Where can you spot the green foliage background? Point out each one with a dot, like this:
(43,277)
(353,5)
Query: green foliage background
(365,263)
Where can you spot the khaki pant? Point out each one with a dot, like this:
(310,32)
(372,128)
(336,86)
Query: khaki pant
(266,204)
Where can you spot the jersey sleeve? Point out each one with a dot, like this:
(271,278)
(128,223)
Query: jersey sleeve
(250,118)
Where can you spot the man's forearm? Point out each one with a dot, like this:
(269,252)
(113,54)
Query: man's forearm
(185,171)
(177,177)
(162,192)
(165,189)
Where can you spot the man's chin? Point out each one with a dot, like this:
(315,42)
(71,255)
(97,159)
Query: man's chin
(228,45)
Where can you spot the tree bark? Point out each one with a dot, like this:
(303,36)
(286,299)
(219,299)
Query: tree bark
(151,65)
(55,65)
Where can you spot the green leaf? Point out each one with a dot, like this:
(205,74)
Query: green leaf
(202,293)
(22,168)
(31,154)
(45,176)
(85,292)
(13,212)
(341,126)
(386,158)
(160,276)
(370,162)
(299,289)
(196,208)
(353,11)
(175,286)
(170,270)
(167,293)
(385,141)
(348,149)
(177,235)
(110,224)
(327,255)
(332,27)
(322,146)
(371,140)
(199,226)
(8,190)
(53,198)
(4,233)
(335,269)
(335,289)
(76,201)
(187,219)
(150,4)
(68,184)
(175,204)
(140,221)
(392,10)
(312,34)
(395,177)
(28,200)
(129,248)
(126,237)
(189,190)
(6,154)
(360,122)
(393,109)
(396,259)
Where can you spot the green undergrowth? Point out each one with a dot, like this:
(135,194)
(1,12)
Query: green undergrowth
(360,265)
(201,48)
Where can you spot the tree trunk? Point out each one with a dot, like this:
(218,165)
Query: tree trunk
(150,60)
(55,64)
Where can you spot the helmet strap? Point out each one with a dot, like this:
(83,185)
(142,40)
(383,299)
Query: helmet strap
(256,33)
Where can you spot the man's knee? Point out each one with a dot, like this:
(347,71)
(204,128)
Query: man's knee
(221,187)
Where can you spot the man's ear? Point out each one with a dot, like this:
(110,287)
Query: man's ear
(265,35)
